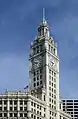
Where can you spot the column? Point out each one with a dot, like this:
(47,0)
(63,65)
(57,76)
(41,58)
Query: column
(18,107)
(8,107)
(29,108)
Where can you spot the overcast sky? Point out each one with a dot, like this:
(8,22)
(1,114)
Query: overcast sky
(19,20)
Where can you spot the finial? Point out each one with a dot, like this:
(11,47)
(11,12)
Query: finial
(43,14)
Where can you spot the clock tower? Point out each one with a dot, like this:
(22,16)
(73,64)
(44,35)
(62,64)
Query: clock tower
(44,68)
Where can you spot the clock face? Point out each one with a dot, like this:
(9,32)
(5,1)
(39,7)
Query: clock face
(37,62)
(51,61)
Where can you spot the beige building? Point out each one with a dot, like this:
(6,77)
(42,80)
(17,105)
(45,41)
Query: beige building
(42,100)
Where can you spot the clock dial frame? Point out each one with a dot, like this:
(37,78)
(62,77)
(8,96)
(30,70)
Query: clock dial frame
(37,62)
(51,61)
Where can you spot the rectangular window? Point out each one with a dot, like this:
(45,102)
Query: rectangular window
(54,50)
(50,99)
(50,112)
(49,82)
(50,105)
(11,114)
(40,107)
(37,49)
(37,77)
(15,114)
(21,114)
(34,117)
(44,109)
(0,108)
(5,108)
(54,96)
(5,102)
(25,102)
(37,117)
(54,91)
(49,71)
(10,108)
(37,106)
(37,112)
(54,107)
(0,114)
(15,108)
(54,79)
(54,85)
(49,94)
(42,32)
(37,83)
(21,102)
(54,102)
(25,108)
(49,47)
(10,102)
(31,115)
(40,113)
(40,82)
(40,70)
(34,73)
(34,79)
(60,106)
(40,48)
(49,88)
(34,104)
(34,84)
(0,102)
(40,76)
(25,114)
(5,114)
(60,116)
(37,72)
(44,97)
(15,102)
(72,100)
(44,115)
(54,74)
(21,108)
(34,110)
(49,76)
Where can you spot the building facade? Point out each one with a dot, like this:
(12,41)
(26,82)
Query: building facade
(44,70)
(71,106)
(21,105)
(42,100)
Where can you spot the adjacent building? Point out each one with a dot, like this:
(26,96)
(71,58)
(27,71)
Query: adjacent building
(42,100)
(71,106)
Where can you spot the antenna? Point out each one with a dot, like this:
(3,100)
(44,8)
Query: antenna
(43,14)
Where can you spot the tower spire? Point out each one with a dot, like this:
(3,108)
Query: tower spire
(43,29)
(43,15)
